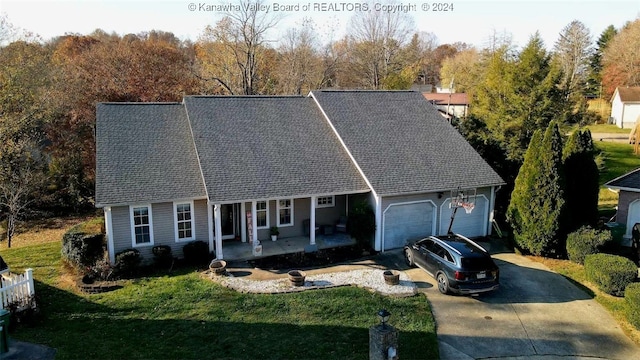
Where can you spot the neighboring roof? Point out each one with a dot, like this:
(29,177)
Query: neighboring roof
(445,98)
(401,143)
(629,181)
(144,153)
(629,94)
(261,147)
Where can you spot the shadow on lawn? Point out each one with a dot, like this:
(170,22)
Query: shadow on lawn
(80,327)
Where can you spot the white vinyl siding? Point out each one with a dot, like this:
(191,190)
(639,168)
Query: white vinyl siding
(141,225)
(184,221)
(285,212)
(262,214)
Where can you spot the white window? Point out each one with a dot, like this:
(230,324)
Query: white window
(285,212)
(262,214)
(325,201)
(183,220)
(142,225)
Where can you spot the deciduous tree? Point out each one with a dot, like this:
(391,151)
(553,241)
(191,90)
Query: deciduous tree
(377,38)
(300,66)
(573,51)
(462,70)
(621,59)
(153,66)
(232,51)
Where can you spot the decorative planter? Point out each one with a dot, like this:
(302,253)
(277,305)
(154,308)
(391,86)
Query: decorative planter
(391,277)
(296,277)
(218,267)
(274,237)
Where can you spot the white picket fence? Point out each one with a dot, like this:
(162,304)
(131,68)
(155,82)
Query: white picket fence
(17,290)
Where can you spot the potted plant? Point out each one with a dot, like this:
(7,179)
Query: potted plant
(274,233)
(296,277)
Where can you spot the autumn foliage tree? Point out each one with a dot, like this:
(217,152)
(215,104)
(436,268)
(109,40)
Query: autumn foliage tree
(153,66)
(24,84)
(621,59)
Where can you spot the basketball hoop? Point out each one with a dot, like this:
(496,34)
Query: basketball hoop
(468,207)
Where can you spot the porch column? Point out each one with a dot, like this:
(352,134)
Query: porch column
(210,225)
(491,209)
(312,221)
(218,225)
(108,224)
(243,222)
(254,222)
(378,237)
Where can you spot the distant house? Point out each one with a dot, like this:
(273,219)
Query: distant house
(224,169)
(628,187)
(625,106)
(449,104)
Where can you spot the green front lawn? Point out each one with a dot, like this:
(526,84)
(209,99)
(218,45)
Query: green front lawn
(607,128)
(186,316)
(617,160)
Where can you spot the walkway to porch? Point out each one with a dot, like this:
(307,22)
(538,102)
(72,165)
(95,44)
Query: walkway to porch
(237,250)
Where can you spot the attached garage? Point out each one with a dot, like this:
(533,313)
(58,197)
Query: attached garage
(403,222)
(469,225)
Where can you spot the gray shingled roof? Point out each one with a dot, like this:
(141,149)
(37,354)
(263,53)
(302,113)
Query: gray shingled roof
(144,153)
(628,181)
(402,144)
(260,147)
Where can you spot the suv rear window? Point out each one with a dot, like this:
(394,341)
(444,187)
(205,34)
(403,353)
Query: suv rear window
(477,263)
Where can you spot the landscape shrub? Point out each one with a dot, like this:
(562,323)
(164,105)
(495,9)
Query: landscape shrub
(127,262)
(101,270)
(196,252)
(632,298)
(162,256)
(83,244)
(586,241)
(611,273)
(362,223)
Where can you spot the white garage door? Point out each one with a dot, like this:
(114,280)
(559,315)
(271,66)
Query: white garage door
(633,217)
(469,225)
(404,222)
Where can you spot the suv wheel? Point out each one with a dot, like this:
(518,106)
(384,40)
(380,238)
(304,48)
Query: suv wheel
(443,283)
(408,256)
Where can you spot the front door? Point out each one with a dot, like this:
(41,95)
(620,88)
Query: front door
(228,221)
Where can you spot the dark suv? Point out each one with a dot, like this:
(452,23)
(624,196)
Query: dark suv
(458,264)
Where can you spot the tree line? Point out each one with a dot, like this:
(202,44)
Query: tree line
(49,89)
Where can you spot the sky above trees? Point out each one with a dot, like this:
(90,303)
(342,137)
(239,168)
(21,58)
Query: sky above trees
(472,22)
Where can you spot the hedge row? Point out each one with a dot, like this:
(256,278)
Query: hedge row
(586,241)
(84,244)
(611,273)
(632,298)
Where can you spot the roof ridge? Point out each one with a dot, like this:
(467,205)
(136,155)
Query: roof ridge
(365,90)
(140,103)
(246,96)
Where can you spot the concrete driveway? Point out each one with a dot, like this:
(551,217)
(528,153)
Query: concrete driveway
(535,314)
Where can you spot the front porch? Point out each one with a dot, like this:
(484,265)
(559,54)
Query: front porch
(237,250)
